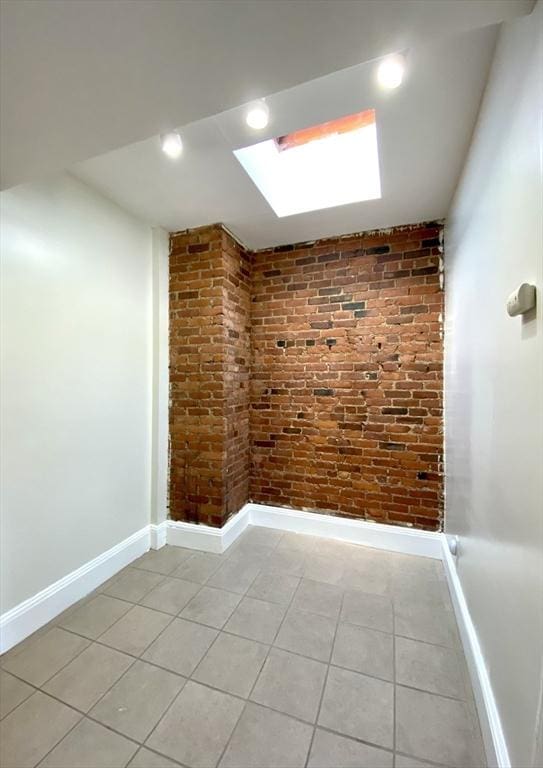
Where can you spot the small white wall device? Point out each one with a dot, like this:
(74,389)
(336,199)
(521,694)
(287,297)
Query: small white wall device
(521,300)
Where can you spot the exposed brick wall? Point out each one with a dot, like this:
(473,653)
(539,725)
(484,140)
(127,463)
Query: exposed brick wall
(340,341)
(346,385)
(237,366)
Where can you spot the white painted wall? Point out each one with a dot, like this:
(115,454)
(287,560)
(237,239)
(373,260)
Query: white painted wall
(494,383)
(76,386)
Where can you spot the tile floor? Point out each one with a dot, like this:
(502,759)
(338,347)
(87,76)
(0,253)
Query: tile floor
(286,651)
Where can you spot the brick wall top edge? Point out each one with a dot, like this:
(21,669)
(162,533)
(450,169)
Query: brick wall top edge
(402,228)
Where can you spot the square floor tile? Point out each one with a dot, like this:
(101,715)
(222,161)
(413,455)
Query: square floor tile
(31,730)
(366,578)
(367,610)
(43,658)
(196,728)
(274,587)
(133,584)
(434,728)
(364,650)
(286,561)
(163,560)
(181,646)
(316,597)
(326,568)
(308,634)
(332,751)
(232,664)
(12,693)
(144,758)
(423,619)
(297,542)
(256,620)
(358,706)
(211,606)
(266,739)
(88,677)
(136,630)
(95,616)
(235,575)
(290,684)
(90,745)
(136,703)
(198,568)
(171,596)
(430,667)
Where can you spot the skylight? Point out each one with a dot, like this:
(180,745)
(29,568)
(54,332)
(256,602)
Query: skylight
(320,167)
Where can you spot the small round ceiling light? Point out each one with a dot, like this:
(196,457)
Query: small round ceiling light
(390,71)
(257,115)
(171,144)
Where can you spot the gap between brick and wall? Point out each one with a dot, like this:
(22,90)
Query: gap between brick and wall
(307,376)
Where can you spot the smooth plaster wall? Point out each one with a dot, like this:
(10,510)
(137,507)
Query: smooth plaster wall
(494,383)
(76,381)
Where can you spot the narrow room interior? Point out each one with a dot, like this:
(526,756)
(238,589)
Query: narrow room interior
(271,397)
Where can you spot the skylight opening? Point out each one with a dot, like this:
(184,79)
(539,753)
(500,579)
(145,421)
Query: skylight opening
(324,166)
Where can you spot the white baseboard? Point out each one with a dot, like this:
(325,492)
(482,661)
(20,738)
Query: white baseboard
(206,538)
(41,608)
(493,736)
(158,534)
(394,538)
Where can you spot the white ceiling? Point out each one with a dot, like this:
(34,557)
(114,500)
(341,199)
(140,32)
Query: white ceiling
(424,128)
(82,78)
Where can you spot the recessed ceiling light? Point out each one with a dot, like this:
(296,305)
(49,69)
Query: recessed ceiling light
(171,144)
(390,71)
(257,115)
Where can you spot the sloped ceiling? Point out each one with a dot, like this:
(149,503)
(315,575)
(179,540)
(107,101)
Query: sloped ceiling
(82,78)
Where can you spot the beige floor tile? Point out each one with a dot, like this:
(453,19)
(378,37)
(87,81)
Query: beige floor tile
(317,597)
(290,684)
(358,706)
(211,606)
(231,664)
(171,596)
(308,634)
(89,676)
(136,630)
(90,745)
(144,758)
(332,751)
(434,728)
(198,568)
(95,616)
(12,693)
(367,610)
(181,646)
(196,728)
(133,584)
(43,658)
(256,620)
(364,650)
(31,730)
(163,560)
(264,738)
(274,587)
(138,700)
(432,668)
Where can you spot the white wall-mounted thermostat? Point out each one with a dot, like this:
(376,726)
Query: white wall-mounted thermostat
(521,300)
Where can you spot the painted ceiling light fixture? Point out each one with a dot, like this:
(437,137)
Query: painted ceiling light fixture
(390,71)
(319,167)
(257,115)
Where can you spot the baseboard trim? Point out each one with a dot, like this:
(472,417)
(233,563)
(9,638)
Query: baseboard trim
(206,538)
(38,610)
(391,537)
(493,736)
(394,538)
(158,534)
